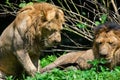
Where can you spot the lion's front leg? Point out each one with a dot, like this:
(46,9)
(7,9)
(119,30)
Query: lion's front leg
(36,62)
(26,62)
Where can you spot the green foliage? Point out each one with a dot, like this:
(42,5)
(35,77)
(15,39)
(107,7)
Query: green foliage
(79,25)
(91,74)
(7,2)
(47,60)
(23,4)
(96,64)
(57,74)
(9,78)
(102,20)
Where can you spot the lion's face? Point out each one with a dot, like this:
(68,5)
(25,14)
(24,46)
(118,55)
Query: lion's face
(51,27)
(51,37)
(47,24)
(107,44)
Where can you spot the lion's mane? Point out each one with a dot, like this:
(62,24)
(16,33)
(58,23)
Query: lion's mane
(107,43)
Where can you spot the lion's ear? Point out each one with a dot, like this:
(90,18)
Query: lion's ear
(60,15)
(26,9)
(50,14)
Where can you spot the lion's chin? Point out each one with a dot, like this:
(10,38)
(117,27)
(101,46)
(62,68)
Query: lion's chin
(108,60)
(49,44)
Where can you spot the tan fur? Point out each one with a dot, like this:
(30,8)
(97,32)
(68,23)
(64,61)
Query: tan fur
(79,59)
(107,45)
(34,28)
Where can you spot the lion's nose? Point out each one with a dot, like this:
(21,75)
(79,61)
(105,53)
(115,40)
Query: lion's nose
(57,41)
(103,52)
(57,38)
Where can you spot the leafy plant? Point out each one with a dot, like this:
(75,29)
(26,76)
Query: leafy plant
(102,20)
(47,60)
(23,3)
(98,64)
(79,25)
(9,78)
(7,2)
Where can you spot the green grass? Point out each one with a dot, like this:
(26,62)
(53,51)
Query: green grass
(57,74)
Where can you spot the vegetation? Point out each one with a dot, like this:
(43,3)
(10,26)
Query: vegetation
(57,74)
(93,74)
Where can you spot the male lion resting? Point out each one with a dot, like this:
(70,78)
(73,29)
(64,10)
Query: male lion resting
(106,45)
(35,27)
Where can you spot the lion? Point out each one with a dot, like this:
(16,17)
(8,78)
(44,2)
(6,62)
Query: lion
(106,44)
(35,28)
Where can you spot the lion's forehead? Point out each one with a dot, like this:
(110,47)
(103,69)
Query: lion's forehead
(56,26)
(107,37)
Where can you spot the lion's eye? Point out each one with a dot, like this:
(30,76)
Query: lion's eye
(43,19)
(110,43)
(99,43)
(51,31)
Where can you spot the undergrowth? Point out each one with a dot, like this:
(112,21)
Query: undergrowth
(57,74)
(91,74)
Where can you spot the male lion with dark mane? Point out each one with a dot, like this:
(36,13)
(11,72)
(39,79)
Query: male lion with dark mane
(106,45)
(35,27)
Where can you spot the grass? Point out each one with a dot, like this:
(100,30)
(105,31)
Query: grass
(57,74)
